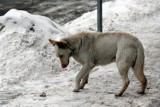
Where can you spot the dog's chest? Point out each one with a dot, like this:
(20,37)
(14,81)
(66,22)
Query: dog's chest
(78,59)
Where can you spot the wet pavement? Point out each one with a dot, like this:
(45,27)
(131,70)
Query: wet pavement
(60,11)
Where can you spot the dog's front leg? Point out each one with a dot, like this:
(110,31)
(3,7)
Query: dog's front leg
(84,81)
(83,72)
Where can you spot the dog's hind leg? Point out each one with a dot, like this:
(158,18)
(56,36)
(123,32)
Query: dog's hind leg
(84,81)
(83,72)
(123,70)
(138,70)
(125,58)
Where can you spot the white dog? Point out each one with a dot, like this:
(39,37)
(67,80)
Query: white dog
(92,49)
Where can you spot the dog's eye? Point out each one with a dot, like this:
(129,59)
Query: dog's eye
(60,56)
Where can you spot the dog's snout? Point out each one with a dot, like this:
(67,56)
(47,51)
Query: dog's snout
(64,65)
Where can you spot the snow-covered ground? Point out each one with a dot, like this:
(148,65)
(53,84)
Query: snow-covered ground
(29,67)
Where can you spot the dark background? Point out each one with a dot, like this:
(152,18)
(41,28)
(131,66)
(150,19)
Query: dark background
(60,11)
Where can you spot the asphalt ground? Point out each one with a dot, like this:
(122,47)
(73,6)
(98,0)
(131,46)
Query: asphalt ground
(60,11)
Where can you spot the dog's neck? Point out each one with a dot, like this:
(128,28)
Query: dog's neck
(74,45)
(76,49)
(80,44)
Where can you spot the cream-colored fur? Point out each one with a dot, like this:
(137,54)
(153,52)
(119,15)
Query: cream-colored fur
(92,49)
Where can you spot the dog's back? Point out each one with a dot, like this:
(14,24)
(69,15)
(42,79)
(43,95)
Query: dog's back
(102,47)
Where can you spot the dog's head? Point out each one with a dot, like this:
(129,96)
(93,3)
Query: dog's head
(62,51)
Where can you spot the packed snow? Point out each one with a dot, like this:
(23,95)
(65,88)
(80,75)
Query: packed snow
(29,66)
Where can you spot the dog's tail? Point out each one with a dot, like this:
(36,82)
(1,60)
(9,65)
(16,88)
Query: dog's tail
(138,67)
(140,57)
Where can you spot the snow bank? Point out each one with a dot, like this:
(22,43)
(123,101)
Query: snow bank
(25,53)
(121,15)
(23,22)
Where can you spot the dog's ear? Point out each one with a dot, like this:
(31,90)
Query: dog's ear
(53,42)
(61,44)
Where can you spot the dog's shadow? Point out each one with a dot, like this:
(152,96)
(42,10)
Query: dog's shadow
(125,95)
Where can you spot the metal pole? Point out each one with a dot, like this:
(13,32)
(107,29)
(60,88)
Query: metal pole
(99,15)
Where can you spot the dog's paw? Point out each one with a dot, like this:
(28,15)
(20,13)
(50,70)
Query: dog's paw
(140,92)
(82,86)
(118,94)
(76,90)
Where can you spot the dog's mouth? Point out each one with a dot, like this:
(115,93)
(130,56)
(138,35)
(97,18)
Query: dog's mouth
(64,65)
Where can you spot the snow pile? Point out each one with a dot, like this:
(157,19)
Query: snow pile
(122,15)
(25,53)
(23,22)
